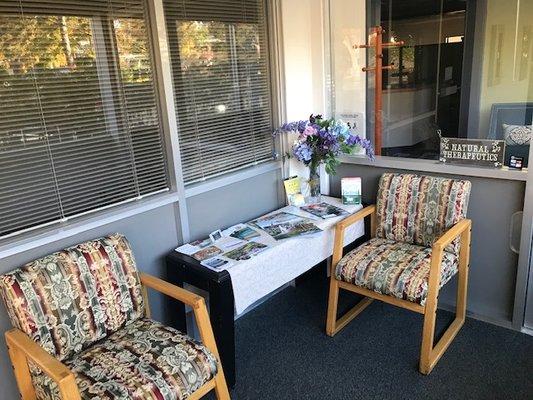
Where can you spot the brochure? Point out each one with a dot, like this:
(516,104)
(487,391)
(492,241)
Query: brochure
(290,229)
(208,252)
(351,191)
(324,210)
(246,252)
(216,264)
(201,243)
(229,243)
(187,248)
(293,189)
(274,219)
(245,233)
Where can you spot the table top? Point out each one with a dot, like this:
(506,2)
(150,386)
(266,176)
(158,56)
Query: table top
(283,261)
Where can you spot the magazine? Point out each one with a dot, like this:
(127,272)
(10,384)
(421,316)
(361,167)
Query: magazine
(201,243)
(245,233)
(274,219)
(246,252)
(324,210)
(207,252)
(290,229)
(216,264)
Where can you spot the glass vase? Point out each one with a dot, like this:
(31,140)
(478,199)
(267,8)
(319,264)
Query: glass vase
(314,185)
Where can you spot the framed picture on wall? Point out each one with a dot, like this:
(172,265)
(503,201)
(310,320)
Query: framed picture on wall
(512,123)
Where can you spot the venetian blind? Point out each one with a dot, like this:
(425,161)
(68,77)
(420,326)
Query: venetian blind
(220,65)
(79,123)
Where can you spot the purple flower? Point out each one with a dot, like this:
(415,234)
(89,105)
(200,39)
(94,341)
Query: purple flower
(303,152)
(296,126)
(309,130)
(321,141)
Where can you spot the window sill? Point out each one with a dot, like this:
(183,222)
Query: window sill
(50,234)
(433,166)
(230,178)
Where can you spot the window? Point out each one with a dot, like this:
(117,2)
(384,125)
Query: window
(220,64)
(79,123)
(465,70)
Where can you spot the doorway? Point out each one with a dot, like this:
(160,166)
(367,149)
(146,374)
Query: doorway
(422,93)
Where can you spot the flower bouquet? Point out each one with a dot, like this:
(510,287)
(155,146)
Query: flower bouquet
(322,141)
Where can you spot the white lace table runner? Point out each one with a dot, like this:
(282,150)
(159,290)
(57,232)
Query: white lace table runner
(287,259)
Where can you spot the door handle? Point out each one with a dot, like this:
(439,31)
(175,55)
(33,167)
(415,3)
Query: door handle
(515,231)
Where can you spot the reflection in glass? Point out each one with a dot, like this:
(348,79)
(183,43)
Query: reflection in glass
(465,71)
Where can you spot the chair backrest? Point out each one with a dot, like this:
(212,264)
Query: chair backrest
(419,209)
(69,300)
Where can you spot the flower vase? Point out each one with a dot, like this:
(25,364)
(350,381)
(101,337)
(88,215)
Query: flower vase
(314,185)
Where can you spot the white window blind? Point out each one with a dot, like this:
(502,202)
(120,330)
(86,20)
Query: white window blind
(79,122)
(219,55)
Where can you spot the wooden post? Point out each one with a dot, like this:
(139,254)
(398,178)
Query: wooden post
(377,38)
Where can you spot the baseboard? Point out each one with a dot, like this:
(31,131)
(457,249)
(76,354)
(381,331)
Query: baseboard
(527,331)
(483,318)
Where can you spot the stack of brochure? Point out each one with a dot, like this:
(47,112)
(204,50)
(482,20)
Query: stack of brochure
(283,225)
(243,241)
(324,210)
(232,245)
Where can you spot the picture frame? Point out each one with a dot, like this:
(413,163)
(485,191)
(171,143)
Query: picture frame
(216,235)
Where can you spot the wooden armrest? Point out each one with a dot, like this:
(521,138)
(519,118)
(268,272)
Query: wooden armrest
(342,225)
(50,365)
(352,219)
(171,290)
(21,349)
(451,234)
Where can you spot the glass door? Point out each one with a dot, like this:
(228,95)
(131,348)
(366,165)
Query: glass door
(422,93)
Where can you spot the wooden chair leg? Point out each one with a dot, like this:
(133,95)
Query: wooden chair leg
(428,335)
(208,339)
(221,388)
(333,325)
(429,355)
(22,374)
(333,301)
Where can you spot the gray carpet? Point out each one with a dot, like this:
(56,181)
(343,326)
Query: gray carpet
(283,353)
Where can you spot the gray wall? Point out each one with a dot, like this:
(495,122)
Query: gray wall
(229,205)
(152,235)
(493,265)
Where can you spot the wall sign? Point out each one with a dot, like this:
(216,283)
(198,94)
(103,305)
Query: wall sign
(485,153)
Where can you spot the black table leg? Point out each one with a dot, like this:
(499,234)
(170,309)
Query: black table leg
(183,269)
(221,311)
(175,312)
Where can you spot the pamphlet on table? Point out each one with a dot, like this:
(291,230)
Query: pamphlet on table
(293,189)
(243,241)
(351,191)
(324,210)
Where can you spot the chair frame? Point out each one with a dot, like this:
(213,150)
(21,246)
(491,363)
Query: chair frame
(22,348)
(430,352)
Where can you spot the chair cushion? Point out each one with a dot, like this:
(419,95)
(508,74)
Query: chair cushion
(419,209)
(75,297)
(144,360)
(394,268)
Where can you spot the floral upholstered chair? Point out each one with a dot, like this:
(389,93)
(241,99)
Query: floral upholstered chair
(420,240)
(83,330)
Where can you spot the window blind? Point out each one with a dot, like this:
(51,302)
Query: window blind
(220,65)
(79,123)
